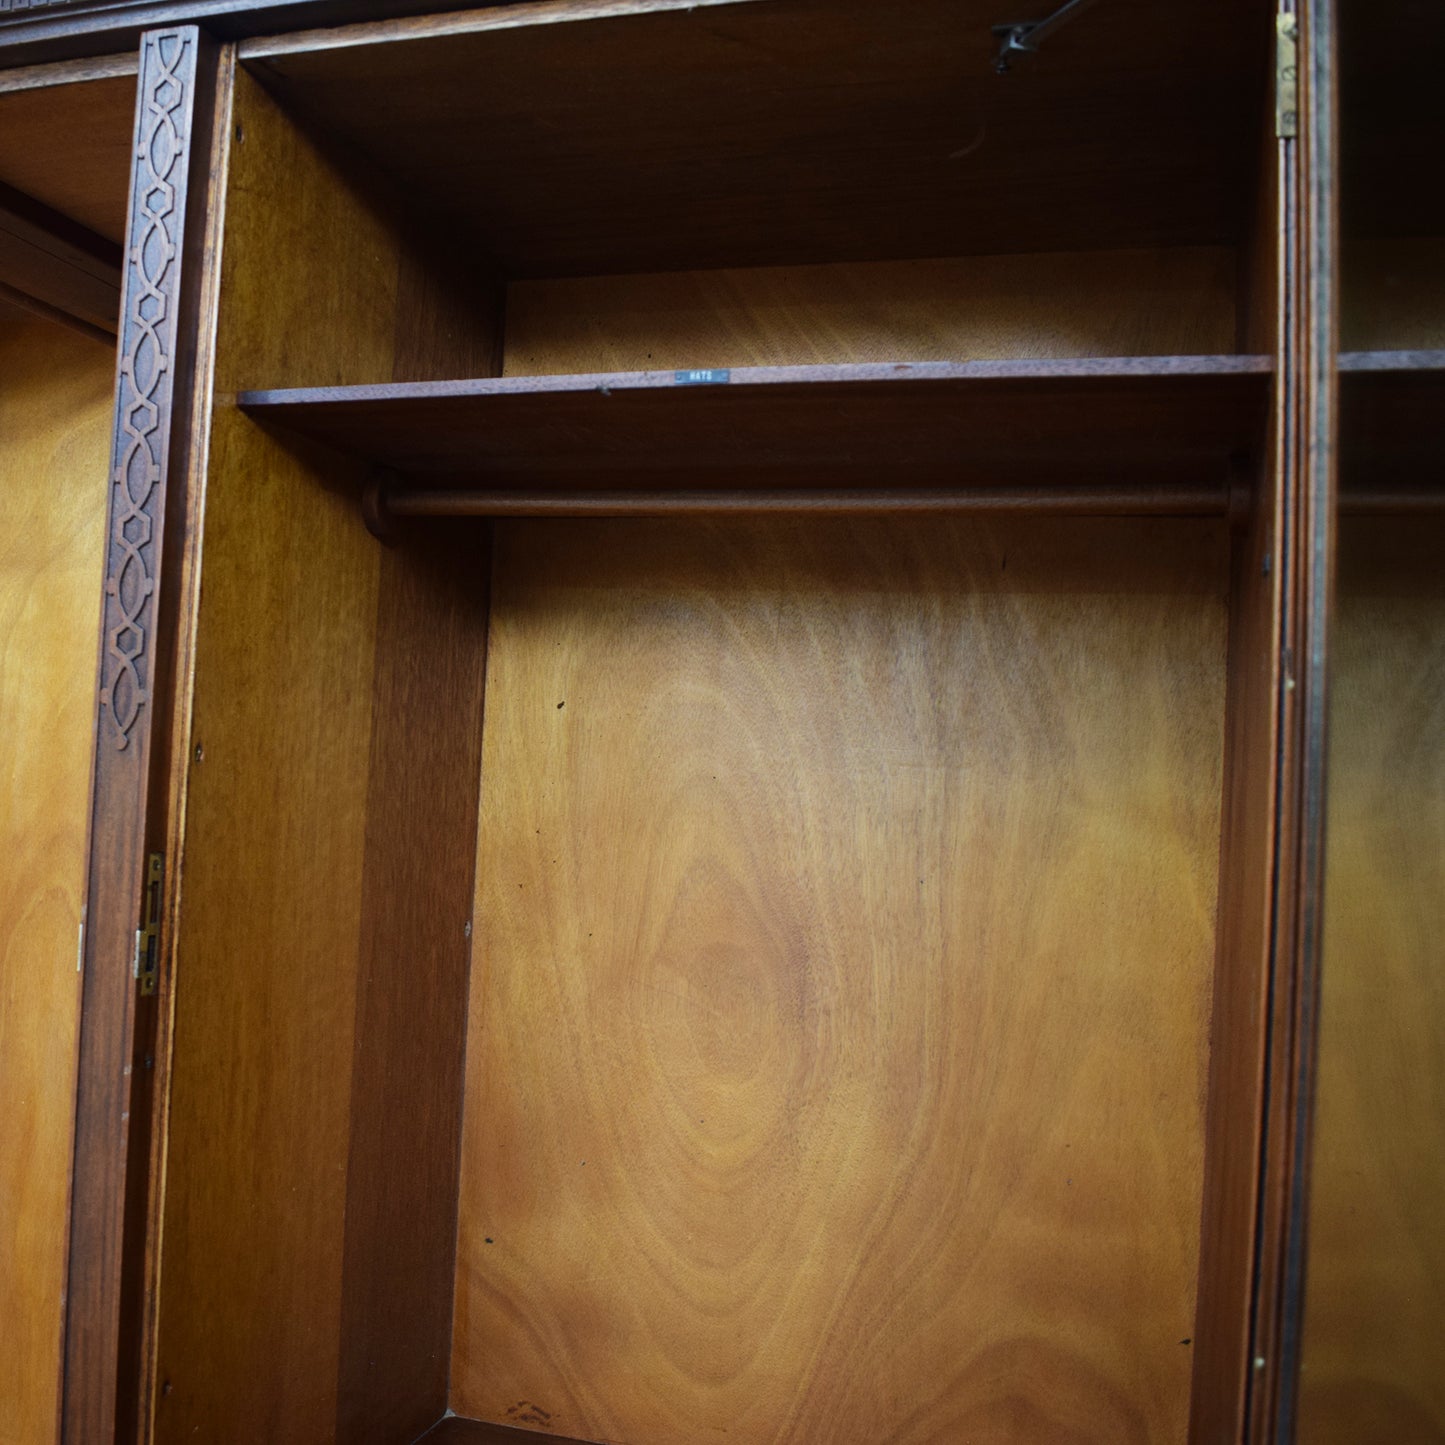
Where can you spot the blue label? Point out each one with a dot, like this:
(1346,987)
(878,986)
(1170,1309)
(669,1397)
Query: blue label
(703,378)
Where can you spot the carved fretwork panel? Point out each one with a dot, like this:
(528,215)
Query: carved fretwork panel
(144,385)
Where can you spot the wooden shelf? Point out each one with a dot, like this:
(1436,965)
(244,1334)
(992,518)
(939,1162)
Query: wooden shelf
(654,135)
(1418,364)
(1170,424)
(1392,424)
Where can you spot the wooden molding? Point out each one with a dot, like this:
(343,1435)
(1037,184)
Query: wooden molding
(145,383)
(38,32)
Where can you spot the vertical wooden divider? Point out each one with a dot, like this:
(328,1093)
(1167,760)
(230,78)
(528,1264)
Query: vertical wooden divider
(417,884)
(150,453)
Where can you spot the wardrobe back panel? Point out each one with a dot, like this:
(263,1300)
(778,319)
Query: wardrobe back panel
(1393,294)
(1103,303)
(845,931)
(55,414)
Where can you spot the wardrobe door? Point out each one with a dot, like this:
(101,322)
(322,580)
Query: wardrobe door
(1373,1337)
(64,158)
(166,296)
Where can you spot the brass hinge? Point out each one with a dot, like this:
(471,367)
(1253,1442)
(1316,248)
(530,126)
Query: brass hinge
(1286,76)
(148,935)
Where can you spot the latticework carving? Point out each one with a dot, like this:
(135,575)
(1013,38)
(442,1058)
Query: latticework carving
(147,339)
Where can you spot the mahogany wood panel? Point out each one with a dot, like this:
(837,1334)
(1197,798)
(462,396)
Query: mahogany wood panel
(587,138)
(151,442)
(933,423)
(406,1092)
(55,411)
(1241,981)
(267,959)
(145,1203)
(1374,1332)
(846,911)
(1247,864)
(69,145)
(320,983)
(275,832)
(417,885)
(1105,303)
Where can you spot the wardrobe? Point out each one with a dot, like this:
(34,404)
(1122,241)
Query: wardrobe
(673,687)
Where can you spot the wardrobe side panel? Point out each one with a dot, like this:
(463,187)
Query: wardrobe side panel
(338,689)
(55,414)
(268,949)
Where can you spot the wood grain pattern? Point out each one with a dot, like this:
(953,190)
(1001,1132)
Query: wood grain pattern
(1247,863)
(322,1060)
(406,1092)
(588,139)
(69,146)
(1375,1287)
(1241,981)
(138,1383)
(267,957)
(1105,303)
(935,424)
(845,909)
(417,884)
(55,410)
(67,72)
(151,436)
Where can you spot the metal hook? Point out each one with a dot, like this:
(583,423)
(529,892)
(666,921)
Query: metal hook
(1025,37)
